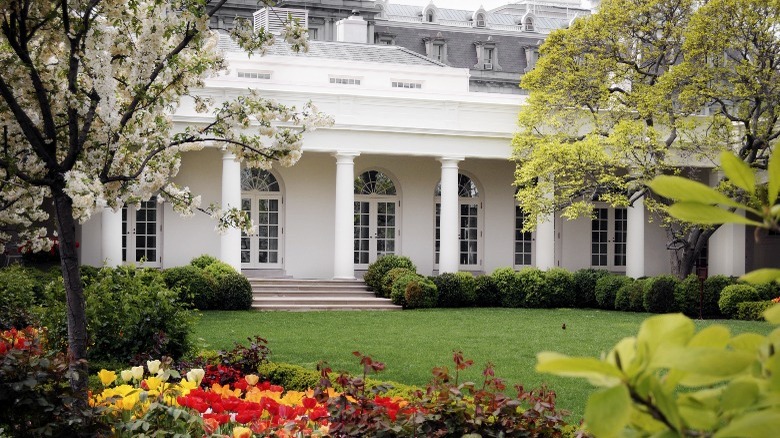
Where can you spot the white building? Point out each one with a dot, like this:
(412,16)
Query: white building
(415,164)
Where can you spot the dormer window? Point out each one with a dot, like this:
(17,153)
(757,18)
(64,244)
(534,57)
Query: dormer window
(480,21)
(487,55)
(429,13)
(528,24)
(429,17)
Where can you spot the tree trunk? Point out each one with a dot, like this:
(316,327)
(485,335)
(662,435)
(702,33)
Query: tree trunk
(684,259)
(74,293)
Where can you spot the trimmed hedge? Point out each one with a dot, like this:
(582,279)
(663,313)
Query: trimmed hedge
(509,287)
(659,294)
(390,277)
(487,293)
(607,288)
(585,286)
(203,261)
(195,289)
(468,288)
(560,286)
(414,291)
(753,310)
(733,295)
(687,296)
(630,296)
(533,283)
(448,286)
(712,289)
(377,270)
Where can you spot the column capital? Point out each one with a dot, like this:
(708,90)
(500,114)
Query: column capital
(450,161)
(345,156)
(227,154)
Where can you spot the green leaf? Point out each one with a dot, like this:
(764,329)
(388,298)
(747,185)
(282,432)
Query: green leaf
(772,314)
(599,372)
(707,361)
(684,189)
(774,177)
(760,276)
(608,411)
(739,173)
(740,394)
(759,424)
(697,213)
(669,330)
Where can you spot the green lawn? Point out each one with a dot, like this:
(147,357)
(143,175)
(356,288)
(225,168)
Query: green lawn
(412,342)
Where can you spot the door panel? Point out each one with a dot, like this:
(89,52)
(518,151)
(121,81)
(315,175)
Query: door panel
(375,230)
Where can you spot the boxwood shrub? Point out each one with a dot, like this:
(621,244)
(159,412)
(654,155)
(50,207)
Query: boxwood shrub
(202,261)
(194,287)
(377,270)
(712,288)
(687,296)
(534,285)
(509,288)
(753,310)
(733,295)
(560,286)
(487,294)
(414,291)
(585,286)
(390,277)
(630,296)
(468,288)
(449,290)
(768,291)
(659,294)
(607,287)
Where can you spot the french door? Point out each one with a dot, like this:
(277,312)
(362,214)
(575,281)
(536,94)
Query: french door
(375,230)
(608,238)
(262,248)
(141,234)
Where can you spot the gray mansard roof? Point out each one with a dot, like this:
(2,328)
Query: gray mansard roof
(342,51)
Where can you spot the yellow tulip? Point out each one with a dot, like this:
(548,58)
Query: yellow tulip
(242,432)
(106,377)
(251,379)
(153,383)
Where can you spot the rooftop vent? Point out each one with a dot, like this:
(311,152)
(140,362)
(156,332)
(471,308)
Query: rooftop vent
(274,19)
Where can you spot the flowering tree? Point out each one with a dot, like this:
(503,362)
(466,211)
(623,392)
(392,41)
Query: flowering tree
(617,99)
(87,88)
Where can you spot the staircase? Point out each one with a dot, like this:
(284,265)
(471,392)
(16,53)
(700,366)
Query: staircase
(304,295)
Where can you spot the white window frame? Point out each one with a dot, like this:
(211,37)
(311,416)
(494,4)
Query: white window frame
(254,74)
(130,234)
(354,81)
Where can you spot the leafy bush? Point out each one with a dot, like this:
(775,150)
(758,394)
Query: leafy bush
(585,286)
(733,295)
(607,288)
(130,312)
(414,291)
(468,288)
(534,285)
(753,310)
(235,292)
(768,291)
(194,287)
(487,294)
(630,296)
(17,295)
(203,261)
(509,287)
(687,295)
(291,377)
(659,294)
(560,288)
(712,288)
(450,294)
(377,270)
(390,277)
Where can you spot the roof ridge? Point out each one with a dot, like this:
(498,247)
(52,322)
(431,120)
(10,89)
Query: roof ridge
(419,55)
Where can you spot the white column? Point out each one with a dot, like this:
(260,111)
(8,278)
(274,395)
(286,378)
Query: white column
(230,242)
(635,239)
(545,240)
(343,252)
(449,239)
(111,237)
(726,253)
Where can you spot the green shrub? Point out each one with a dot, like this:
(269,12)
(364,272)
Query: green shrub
(88,274)
(659,294)
(389,279)
(235,292)
(687,296)
(712,289)
(203,261)
(560,288)
(734,294)
(768,291)
(509,288)
(534,286)
(17,295)
(585,286)
(414,291)
(607,288)
(130,313)
(487,294)
(468,288)
(219,270)
(450,294)
(753,310)
(377,270)
(630,296)
(193,286)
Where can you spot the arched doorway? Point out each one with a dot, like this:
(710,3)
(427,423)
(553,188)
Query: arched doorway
(262,199)
(376,213)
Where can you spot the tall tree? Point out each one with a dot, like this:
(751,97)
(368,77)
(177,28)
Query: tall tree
(87,90)
(642,88)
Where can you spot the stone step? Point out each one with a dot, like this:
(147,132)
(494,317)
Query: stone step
(307,294)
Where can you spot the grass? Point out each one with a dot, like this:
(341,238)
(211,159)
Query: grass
(411,343)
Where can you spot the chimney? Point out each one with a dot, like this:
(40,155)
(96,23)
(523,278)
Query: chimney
(352,30)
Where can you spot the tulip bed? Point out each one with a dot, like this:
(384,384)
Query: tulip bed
(223,398)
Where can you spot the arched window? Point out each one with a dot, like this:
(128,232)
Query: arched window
(429,17)
(469,212)
(376,209)
(261,199)
(480,20)
(528,23)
